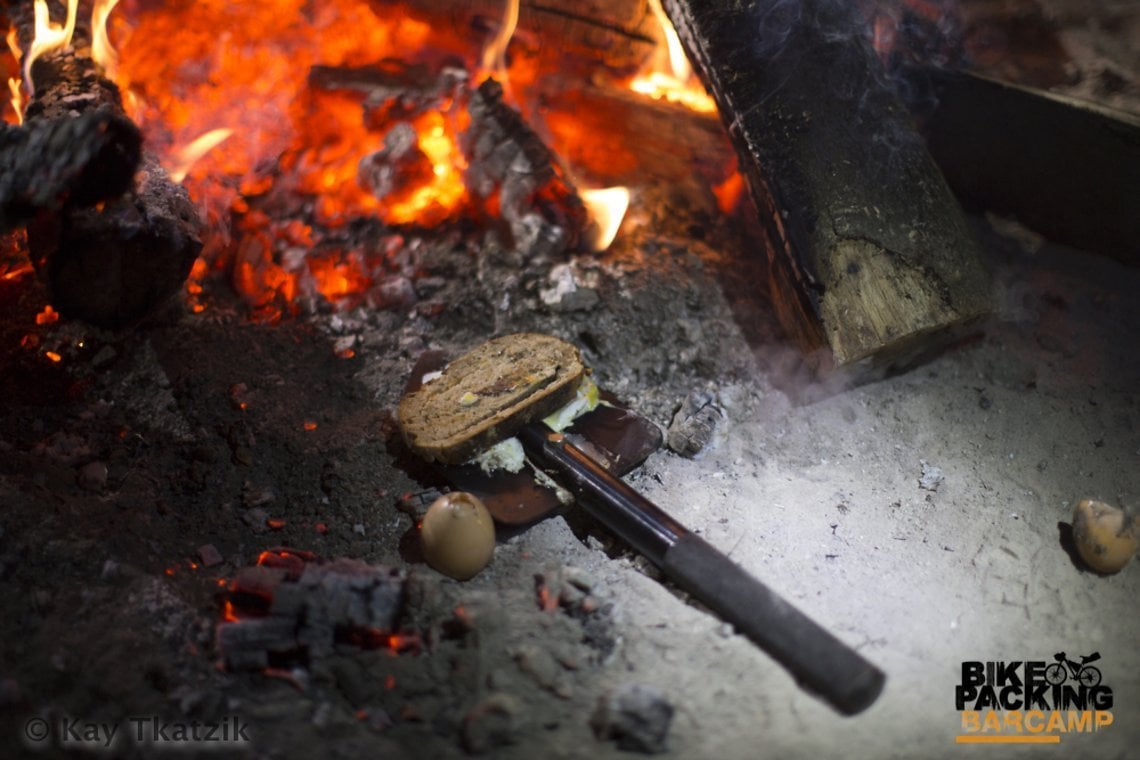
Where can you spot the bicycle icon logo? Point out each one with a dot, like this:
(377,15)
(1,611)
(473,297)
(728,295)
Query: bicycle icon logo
(1082,672)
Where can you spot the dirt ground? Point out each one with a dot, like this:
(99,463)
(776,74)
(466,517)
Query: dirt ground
(922,517)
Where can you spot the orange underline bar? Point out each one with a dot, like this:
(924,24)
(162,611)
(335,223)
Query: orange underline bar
(1024,739)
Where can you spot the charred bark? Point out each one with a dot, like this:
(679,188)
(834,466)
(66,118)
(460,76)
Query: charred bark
(51,165)
(114,264)
(861,221)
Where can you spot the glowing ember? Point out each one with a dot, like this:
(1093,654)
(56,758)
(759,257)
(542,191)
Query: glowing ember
(49,36)
(102,52)
(606,209)
(729,192)
(14,269)
(194,66)
(47,316)
(432,202)
(194,286)
(53,356)
(668,75)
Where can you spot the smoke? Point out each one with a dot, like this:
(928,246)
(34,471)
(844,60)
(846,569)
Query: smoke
(914,38)
(908,37)
(777,22)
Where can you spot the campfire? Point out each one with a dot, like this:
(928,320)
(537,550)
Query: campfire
(299,152)
(232,232)
(314,142)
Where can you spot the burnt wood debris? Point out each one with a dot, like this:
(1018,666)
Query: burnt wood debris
(536,200)
(115,263)
(872,257)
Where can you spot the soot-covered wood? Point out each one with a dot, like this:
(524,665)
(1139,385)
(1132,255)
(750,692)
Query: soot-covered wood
(873,253)
(72,162)
(113,264)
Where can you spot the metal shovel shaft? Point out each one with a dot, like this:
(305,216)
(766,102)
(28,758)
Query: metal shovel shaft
(819,660)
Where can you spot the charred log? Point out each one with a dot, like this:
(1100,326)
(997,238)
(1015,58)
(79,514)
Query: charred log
(71,162)
(113,265)
(506,157)
(861,220)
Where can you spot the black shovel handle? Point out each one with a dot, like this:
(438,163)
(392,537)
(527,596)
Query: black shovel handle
(819,660)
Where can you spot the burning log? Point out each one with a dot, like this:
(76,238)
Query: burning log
(73,162)
(619,34)
(393,90)
(111,265)
(872,255)
(541,207)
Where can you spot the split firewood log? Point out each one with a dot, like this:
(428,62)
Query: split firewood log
(871,254)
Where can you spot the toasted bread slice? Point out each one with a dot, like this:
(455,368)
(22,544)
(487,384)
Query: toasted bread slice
(488,394)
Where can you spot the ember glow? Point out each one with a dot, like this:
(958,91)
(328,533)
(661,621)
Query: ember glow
(47,316)
(195,67)
(274,113)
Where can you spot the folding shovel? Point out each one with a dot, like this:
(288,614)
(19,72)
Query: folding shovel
(587,460)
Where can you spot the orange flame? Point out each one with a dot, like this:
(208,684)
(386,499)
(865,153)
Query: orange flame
(49,36)
(187,77)
(606,208)
(102,52)
(189,155)
(433,202)
(668,75)
(13,40)
(494,60)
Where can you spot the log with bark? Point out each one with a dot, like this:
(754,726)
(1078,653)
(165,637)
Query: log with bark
(113,264)
(865,234)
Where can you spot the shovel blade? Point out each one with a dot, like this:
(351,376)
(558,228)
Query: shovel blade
(616,437)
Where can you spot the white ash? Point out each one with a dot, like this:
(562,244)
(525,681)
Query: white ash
(932,477)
